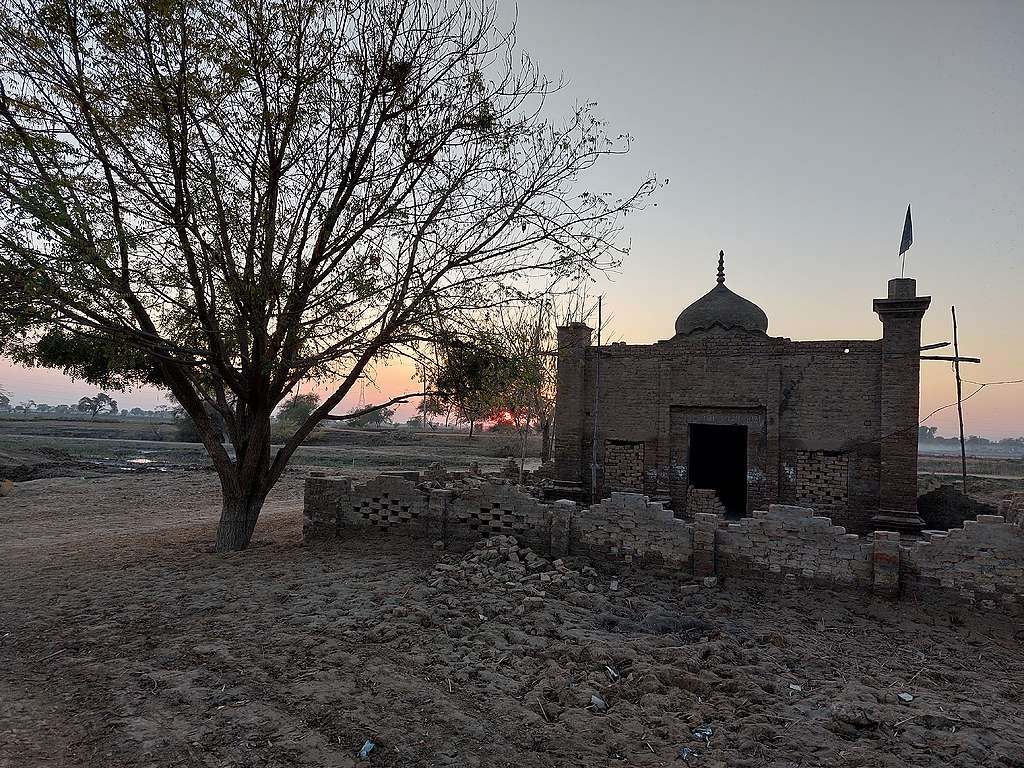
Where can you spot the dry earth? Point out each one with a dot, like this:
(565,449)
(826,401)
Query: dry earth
(125,642)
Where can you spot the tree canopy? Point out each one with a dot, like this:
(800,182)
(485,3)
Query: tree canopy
(228,198)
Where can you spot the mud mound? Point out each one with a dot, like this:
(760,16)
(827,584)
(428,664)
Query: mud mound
(946,507)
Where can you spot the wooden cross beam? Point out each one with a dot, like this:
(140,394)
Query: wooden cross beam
(952,358)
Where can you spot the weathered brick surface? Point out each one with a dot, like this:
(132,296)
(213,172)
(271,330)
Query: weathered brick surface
(885,557)
(703,501)
(499,510)
(388,502)
(793,543)
(982,561)
(822,481)
(628,528)
(623,465)
(321,498)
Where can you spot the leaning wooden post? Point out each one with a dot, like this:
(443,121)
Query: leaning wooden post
(959,401)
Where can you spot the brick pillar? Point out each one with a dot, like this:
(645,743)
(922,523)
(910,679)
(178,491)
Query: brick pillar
(885,563)
(705,526)
(321,501)
(573,341)
(901,315)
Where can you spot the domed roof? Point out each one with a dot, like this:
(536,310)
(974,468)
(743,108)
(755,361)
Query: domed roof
(723,309)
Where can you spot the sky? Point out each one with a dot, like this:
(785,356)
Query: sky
(793,135)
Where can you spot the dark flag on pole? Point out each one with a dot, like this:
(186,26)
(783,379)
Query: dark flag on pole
(908,234)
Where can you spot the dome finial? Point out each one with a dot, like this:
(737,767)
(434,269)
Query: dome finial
(721,267)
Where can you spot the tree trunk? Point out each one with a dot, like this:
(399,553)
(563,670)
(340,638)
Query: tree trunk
(471,422)
(245,483)
(545,441)
(238,517)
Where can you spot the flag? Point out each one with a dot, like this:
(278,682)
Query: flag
(908,234)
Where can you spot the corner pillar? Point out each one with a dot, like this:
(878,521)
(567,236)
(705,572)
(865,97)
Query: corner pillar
(900,312)
(570,384)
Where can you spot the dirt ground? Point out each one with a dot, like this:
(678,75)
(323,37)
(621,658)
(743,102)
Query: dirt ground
(125,642)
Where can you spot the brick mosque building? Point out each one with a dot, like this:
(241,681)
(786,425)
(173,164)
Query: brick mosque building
(723,417)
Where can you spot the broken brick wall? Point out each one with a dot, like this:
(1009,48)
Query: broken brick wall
(628,528)
(793,543)
(982,561)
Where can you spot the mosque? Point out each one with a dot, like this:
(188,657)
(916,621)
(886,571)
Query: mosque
(722,417)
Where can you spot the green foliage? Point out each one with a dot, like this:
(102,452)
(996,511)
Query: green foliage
(99,359)
(297,409)
(99,402)
(472,378)
(377,418)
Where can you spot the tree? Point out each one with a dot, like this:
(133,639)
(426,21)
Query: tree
(93,405)
(230,198)
(5,400)
(470,377)
(926,433)
(297,408)
(370,417)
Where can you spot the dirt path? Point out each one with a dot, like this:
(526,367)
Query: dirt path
(125,642)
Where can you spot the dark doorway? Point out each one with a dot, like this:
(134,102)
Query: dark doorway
(718,460)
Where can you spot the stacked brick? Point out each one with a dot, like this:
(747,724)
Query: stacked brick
(792,543)
(822,480)
(629,528)
(623,466)
(703,501)
(981,562)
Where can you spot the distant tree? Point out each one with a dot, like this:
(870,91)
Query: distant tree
(296,409)
(136,412)
(228,199)
(100,402)
(926,433)
(63,408)
(470,378)
(362,417)
(428,406)
(5,400)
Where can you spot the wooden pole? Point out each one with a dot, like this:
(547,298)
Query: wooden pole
(959,400)
(597,402)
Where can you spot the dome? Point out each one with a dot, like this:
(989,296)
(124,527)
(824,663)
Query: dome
(721,308)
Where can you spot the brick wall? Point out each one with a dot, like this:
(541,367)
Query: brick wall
(792,543)
(484,510)
(386,502)
(791,396)
(628,528)
(823,481)
(623,465)
(982,562)
(321,498)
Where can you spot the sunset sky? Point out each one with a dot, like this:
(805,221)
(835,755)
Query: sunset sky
(794,135)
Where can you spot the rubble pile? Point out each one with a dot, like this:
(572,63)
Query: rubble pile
(517,578)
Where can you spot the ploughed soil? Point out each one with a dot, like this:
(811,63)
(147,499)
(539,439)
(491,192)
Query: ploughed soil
(124,641)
